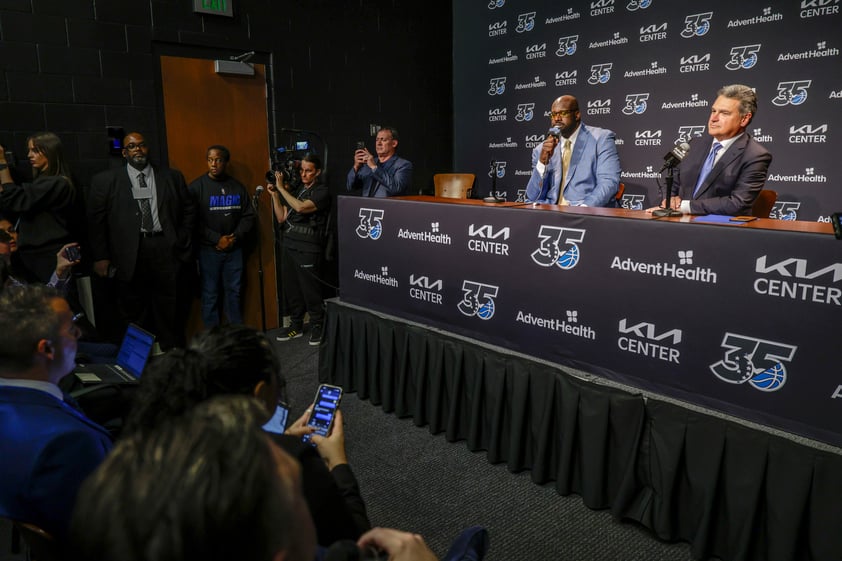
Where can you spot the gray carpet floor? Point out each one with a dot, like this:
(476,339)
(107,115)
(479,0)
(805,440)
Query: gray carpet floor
(415,481)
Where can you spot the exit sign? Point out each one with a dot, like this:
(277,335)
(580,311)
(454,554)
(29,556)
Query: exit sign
(216,7)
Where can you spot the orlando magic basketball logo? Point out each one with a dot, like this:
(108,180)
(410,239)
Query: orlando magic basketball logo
(792,93)
(478,300)
(743,57)
(696,25)
(600,73)
(756,361)
(371,225)
(638,5)
(557,246)
(635,104)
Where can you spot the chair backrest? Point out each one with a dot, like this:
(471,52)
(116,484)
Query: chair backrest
(453,185)
(763,203)
(621,188)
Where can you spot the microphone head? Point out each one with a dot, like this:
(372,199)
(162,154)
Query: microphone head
(554,131)
(681,150)
(259,189)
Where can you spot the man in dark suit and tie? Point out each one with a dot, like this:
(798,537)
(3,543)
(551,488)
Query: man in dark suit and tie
(140,220)
(47,446)
(723,176)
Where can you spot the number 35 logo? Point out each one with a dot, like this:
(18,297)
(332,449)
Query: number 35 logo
(756,361)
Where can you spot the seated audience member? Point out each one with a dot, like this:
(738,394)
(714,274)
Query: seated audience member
(16,276)
(382,174)
(47,446)
(723,175)
(206,486)
(235,359)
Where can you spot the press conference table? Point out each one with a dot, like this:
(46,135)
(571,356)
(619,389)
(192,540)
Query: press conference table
(743,318)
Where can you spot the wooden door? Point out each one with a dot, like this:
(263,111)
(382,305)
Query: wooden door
(202,108)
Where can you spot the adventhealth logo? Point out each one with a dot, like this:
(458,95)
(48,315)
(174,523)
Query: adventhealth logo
(788,279)
(696,25)
(644,338)
(743,57)
(478,300)
(430,236)
(382,277)
(558,246)
(756,361)
(568,325)
(371,225)
(683,270)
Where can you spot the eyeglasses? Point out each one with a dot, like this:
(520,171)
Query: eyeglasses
(133,146)
(563,113)
(77,317)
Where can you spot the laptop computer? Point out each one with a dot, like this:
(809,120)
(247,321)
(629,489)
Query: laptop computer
(131,359)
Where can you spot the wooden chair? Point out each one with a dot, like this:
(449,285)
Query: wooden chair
(621,188)
(763,203)
(453,185)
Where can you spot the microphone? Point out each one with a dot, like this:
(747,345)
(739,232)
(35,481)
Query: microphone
(554,131)
(257,190)
(492,196)
(674,156)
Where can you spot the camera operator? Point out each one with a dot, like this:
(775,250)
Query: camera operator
(302,213)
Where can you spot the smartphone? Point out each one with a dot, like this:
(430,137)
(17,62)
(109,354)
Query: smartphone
(743,218)
(278,422)
(324,410)
(360,145)
(73,253)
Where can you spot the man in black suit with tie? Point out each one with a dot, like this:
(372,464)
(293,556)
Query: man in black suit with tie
(723,176)
(141,220)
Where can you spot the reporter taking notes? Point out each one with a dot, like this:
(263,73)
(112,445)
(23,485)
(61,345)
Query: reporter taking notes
(725,175)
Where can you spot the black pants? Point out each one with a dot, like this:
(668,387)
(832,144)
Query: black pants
(300,272)
(149,299)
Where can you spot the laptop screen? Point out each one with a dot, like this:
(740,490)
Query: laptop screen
(135,350)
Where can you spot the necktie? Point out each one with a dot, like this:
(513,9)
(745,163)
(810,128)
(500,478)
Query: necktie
(145,206)
(565,165)
(707,166)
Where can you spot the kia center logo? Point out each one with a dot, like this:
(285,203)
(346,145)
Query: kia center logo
(478,300)
(371,225)
(756,361)
(558,246)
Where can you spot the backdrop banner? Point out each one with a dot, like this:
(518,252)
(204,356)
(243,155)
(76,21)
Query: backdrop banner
(649,70)
(742,320)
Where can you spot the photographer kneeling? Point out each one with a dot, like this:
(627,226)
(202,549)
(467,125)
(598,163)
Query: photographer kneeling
(302,213)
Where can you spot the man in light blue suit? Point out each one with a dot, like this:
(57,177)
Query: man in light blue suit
(593,166)
(47,446)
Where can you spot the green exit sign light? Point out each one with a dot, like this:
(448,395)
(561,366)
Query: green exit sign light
(215,7)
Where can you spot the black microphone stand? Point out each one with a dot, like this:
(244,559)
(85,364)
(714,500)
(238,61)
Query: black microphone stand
(667,210)
(255,202)
(492,197)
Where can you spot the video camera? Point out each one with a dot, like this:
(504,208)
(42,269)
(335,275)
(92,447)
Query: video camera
(287,160)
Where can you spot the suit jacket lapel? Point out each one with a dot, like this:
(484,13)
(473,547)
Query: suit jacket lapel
(582,142)
(734,151)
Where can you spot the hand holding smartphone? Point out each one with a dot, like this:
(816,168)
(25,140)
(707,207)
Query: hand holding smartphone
(324,410)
